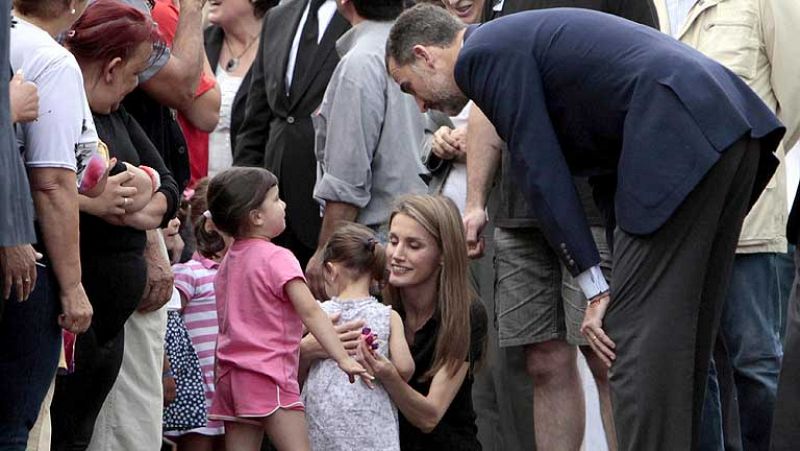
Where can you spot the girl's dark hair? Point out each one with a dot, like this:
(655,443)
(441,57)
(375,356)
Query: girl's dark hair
(209,243)
(379,10)
(356,248)
(234,193)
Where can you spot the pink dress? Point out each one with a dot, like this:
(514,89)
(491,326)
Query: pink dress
(259,332)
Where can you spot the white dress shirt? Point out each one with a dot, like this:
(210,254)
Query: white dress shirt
(324,16)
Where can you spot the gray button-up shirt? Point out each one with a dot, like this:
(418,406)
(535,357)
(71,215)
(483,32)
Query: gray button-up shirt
(368,132)
(159,59)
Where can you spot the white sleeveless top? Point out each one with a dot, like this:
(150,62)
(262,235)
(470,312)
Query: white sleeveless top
(342,416)
(220,154)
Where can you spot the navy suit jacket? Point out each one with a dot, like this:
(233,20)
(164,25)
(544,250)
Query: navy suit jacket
(578,92)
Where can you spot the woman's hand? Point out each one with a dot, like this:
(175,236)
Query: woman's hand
(375,363)
(77,311)
(158,290)
(349,334)
(144,189)
(111,203)
(592,329)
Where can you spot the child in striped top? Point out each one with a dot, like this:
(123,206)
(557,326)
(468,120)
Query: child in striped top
(194,280)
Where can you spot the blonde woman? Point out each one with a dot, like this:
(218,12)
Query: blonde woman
(444,325)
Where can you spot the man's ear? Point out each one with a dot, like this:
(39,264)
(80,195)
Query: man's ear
(423,54)
(110,68)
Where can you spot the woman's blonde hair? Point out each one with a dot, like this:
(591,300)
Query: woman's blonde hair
(439,216)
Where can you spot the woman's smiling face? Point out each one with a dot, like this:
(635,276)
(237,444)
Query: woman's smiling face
(413,256)
(467,11)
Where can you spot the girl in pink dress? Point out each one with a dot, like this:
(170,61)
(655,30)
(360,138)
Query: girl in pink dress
(262,304)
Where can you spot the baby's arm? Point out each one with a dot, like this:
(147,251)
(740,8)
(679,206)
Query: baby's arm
(144,188)
(320,326)
(399,353)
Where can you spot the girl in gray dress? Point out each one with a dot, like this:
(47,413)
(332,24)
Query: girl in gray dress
(340,415)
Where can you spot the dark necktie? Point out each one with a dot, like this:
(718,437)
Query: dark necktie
(306,48)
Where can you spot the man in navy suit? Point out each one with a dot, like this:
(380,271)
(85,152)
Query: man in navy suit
(581,93)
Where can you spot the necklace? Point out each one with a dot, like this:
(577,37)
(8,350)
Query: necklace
(233,63)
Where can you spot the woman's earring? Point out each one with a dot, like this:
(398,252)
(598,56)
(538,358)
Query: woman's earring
(72,11)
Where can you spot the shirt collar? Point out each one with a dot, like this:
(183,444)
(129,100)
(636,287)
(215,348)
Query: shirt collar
(348,40)
(206,262)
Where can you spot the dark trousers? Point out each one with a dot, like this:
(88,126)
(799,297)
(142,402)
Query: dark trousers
(79,396)
(786,421)
(30,341)
(114,283)
(667,293)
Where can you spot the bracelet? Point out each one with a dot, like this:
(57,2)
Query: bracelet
(167,373)
(155,177)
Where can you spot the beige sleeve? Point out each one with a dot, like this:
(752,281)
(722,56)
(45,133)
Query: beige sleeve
(780,19)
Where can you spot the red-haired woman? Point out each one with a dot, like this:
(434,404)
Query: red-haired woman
(112,43)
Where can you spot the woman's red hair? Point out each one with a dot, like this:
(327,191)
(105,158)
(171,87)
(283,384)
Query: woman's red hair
(109,29)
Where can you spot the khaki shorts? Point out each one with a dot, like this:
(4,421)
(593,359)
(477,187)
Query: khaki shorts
(536,298)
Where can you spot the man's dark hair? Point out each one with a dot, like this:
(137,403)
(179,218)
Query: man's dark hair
(379,10)
(260,7)
(423,24)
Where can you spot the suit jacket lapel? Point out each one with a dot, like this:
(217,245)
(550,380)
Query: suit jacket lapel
(334,30)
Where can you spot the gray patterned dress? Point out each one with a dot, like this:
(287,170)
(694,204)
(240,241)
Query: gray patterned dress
(344,416)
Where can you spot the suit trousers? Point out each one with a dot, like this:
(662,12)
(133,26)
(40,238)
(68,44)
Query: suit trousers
(667,292)
(786,420)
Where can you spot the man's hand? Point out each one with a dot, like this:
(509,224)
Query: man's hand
(475,221)
(158,290)
(173,240)
(77,310)
(23,99)
(458,138)
(592,329)
(18,267)
(444,145)
(314,276)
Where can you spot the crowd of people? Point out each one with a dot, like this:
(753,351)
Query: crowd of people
(253,224)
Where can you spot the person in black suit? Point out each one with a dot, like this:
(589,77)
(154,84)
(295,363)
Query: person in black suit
(577,92)
(295,60)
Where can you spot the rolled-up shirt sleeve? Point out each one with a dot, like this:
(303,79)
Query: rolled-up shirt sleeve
(350,121)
